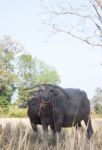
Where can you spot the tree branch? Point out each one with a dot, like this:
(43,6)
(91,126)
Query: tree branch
(98,15)
(77,37)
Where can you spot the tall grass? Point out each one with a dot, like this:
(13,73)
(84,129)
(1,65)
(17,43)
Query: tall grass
(22,137)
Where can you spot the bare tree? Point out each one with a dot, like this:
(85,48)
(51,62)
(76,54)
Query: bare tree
(81,20)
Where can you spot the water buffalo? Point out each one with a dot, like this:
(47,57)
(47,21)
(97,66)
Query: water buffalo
(64,111)
(59,108)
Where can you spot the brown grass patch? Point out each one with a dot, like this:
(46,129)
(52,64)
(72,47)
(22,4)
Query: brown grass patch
(20,136)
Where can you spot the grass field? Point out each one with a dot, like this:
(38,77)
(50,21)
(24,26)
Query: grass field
(17,134)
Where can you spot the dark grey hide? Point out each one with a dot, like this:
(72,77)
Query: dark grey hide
(59,108)
(33,111)
(62,111)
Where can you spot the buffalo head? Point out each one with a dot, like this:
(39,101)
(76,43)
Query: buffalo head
(45,91)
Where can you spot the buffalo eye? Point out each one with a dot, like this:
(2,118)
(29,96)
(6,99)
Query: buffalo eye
(33,103)
(51,90)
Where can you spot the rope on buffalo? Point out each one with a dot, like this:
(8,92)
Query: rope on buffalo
(43,106)
(53,107)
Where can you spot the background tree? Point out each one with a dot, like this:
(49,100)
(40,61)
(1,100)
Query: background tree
(46,73)
(32,71)
(81,20)
(8,51)
(97,101)
(19,70)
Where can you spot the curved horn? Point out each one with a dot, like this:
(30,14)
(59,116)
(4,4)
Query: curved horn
(39,85)
(60,88)
(55,86)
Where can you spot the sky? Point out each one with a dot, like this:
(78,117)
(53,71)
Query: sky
(78,64)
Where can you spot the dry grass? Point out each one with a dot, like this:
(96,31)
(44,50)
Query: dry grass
(19,136)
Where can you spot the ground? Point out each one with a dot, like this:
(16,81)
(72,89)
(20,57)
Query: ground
(17,134)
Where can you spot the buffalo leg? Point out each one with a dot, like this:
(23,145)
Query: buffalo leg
(89,127)
(34,127)
(45,132)
(58,119)
(57,133)
(54,134)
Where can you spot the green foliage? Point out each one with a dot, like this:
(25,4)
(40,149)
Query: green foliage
(19,71)
(4,104)
(13,111)
(7,70)
(26,71)
(46,73)
(97,101)
(32,71)
(98,108)
(49,76)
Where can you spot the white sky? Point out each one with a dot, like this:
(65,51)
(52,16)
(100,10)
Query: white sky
(77,63)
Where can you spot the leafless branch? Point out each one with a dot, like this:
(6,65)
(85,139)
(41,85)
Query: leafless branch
(85,16)
(98,15)
(99,2)
(77,37)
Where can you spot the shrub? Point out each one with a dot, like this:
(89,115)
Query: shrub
(13,111)
(98,108)
(4,104)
